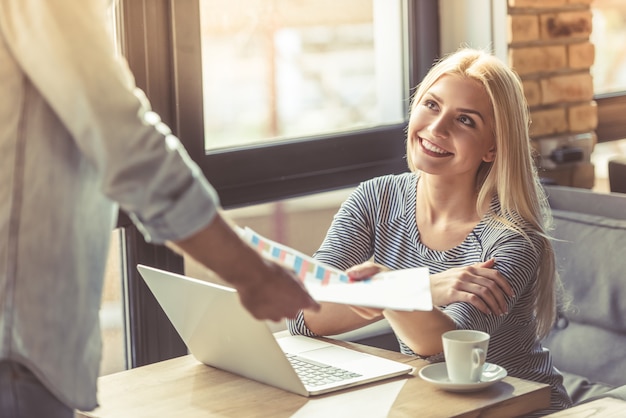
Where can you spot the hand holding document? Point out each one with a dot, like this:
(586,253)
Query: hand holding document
(406,290)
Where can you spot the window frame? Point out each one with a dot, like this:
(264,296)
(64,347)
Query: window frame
(161,42)
(301,166)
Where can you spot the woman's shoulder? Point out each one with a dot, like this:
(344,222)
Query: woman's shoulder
(508,224)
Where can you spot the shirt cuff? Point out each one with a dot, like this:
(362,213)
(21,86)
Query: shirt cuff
(193,210)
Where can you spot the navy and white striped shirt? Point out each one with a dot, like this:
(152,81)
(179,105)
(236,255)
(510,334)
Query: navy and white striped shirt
(378,220)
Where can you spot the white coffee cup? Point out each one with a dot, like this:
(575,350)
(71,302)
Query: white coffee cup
(465,352)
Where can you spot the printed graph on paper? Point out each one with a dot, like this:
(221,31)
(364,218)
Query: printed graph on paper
(407,289)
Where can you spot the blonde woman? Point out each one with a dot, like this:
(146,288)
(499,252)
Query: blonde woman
(472,210)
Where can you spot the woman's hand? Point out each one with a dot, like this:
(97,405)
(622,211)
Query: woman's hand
(479,284)
(364,270)
(361,272)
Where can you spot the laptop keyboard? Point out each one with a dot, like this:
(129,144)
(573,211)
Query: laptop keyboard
(313,373)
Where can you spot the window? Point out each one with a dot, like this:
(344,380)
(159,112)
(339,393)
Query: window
(312,157)
(609,69)
(165,54)
(609,76)
(289,159)
(276,70)
(608,36)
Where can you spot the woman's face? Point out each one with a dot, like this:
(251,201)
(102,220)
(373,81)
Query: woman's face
(451,128)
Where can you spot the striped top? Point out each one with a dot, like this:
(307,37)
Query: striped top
(378,220)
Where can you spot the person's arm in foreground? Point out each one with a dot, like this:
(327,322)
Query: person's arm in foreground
(135,158)
(266,289)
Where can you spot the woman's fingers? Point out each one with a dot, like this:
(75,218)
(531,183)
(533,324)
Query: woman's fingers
(487,263)
(487,293)
(487,270)
(481,303)
(364,271)
(479,284)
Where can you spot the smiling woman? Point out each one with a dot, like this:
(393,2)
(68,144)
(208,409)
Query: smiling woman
(472,211)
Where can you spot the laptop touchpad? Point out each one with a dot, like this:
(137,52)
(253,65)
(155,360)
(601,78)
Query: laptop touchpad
(333,355)
(297,344)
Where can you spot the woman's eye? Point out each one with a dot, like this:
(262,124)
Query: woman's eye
(466,120)
(430,104)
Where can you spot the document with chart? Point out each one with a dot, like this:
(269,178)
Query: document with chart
(406,290)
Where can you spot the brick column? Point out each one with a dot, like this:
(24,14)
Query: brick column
(549,47)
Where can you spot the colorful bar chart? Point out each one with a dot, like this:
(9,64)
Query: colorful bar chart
(307,268)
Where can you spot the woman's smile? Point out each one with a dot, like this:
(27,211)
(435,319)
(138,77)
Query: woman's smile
(431,149)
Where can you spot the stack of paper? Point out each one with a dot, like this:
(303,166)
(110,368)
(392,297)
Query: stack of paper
(407,290)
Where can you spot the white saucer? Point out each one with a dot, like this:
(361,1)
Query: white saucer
(438,375)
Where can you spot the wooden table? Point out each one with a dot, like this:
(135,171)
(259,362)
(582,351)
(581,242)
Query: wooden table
(184,387)
(600,408)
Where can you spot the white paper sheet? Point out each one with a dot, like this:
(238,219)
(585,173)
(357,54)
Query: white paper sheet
(407,289)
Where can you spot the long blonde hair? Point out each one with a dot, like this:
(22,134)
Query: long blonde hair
(512,176)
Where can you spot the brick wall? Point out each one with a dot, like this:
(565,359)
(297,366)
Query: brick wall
(549,47)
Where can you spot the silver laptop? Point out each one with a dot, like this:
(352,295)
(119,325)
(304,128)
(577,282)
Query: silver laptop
(220,333)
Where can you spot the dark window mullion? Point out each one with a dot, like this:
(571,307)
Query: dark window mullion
(151,336)
(283,170)
(422,43)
